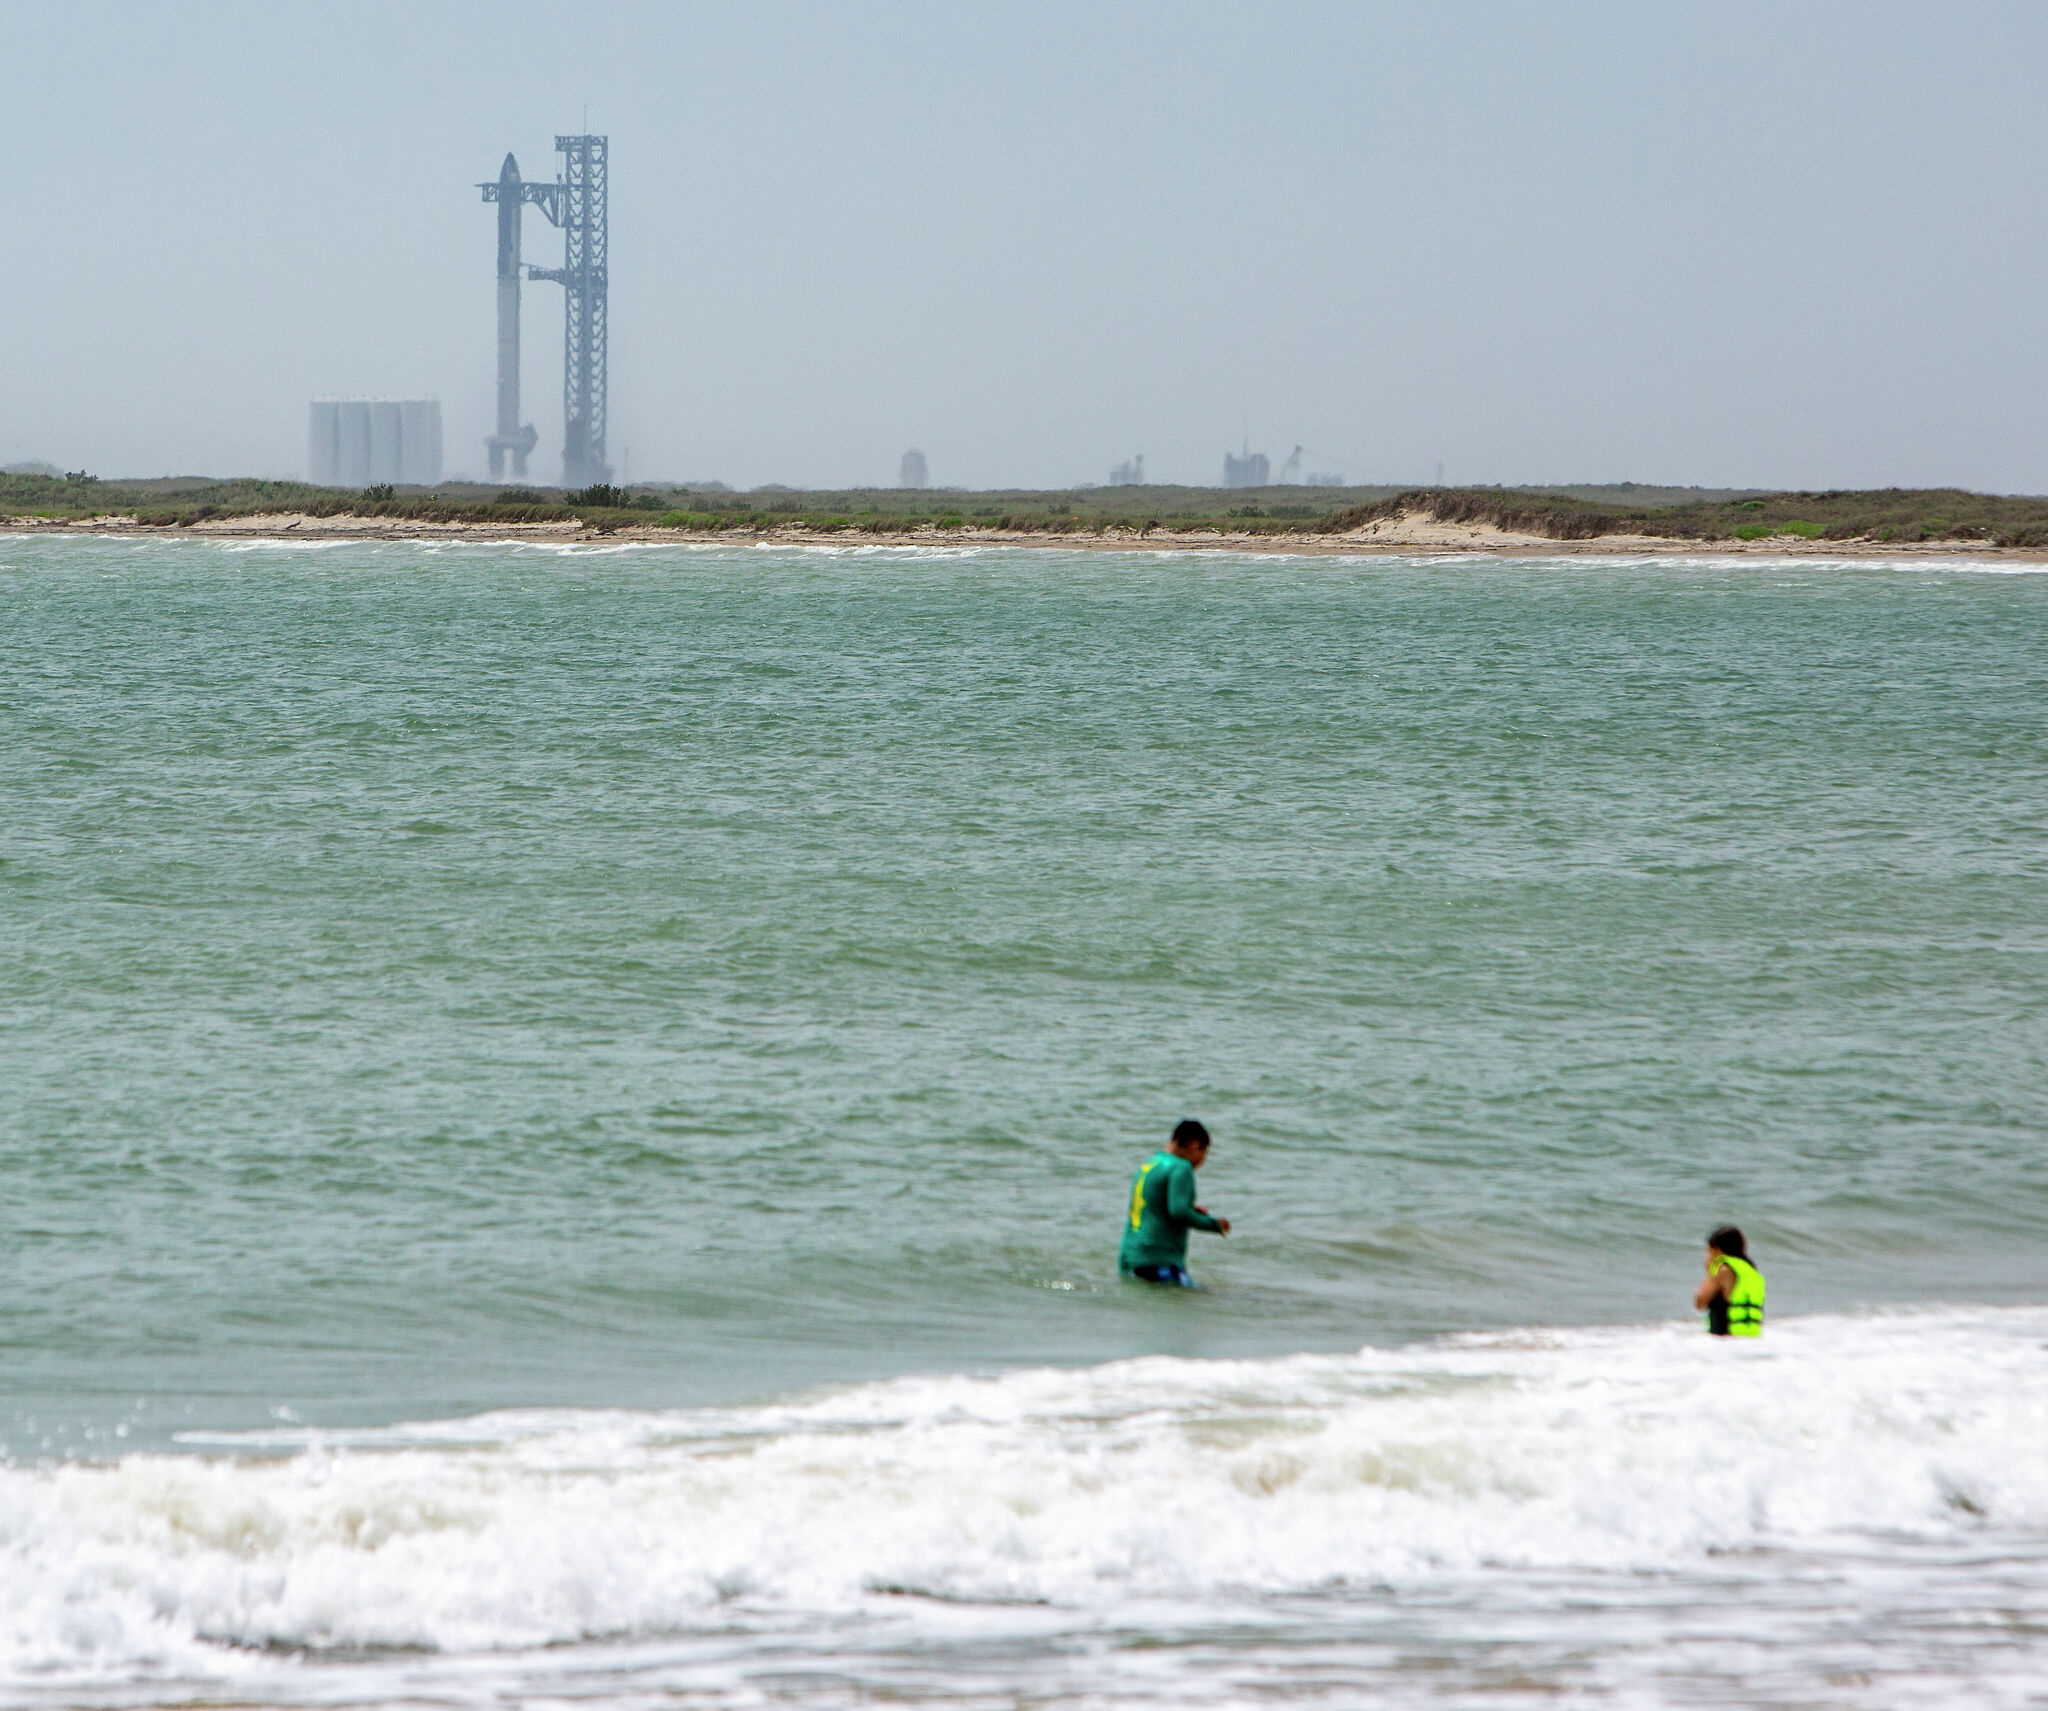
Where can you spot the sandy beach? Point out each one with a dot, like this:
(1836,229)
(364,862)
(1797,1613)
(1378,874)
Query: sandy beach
(1411,533)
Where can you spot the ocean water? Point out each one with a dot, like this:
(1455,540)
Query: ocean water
(564,1114)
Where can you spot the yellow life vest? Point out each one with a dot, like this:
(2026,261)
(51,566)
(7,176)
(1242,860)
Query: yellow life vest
(1741,1312)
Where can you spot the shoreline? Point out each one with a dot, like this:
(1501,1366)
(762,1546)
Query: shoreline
(1409,535)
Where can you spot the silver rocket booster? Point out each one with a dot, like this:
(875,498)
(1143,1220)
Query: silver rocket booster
(512,436)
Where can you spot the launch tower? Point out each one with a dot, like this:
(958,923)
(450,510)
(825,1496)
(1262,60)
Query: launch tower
(576,202)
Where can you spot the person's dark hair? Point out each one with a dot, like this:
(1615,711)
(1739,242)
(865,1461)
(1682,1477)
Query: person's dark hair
(1188,1133)
(1728,1240)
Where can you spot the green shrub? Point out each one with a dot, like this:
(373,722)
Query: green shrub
(381,494)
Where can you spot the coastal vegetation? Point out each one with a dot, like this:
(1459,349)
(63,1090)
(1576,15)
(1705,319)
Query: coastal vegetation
(1883,515)
(1580,513)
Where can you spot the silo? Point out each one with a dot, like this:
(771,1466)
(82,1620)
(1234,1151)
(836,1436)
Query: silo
(387,428)
(420,441)
(352,465)
(323,442)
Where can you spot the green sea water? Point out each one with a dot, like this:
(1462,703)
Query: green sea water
(441,978)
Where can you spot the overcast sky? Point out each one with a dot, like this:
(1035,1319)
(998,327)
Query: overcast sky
(1774,244)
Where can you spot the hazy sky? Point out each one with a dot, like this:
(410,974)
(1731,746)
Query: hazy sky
(1782,244)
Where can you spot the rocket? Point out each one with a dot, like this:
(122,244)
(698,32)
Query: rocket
(512,435)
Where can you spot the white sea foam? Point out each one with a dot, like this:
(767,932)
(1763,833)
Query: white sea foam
(1633,1450)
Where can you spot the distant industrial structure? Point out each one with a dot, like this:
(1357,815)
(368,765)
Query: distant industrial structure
(576,202)
(360,442)
(1247,469)
(1131,474)
(914,472)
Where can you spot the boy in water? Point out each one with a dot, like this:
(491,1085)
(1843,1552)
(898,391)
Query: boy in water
(1732,1297)
(1162,1210)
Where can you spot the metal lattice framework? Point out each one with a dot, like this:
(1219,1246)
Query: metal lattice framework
(577,204)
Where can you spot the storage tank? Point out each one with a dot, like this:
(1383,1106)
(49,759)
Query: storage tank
(323,442)
(387,427)
(420,441)
(352,466)
(354,442)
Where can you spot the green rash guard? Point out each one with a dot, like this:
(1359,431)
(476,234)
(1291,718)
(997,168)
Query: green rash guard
(1161,1212)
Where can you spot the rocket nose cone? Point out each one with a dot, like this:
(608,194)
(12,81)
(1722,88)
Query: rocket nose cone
(510,169)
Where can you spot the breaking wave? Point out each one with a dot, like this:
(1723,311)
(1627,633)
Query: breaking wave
(1600,1450)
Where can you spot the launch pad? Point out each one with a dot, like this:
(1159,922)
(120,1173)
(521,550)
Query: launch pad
(576,203)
